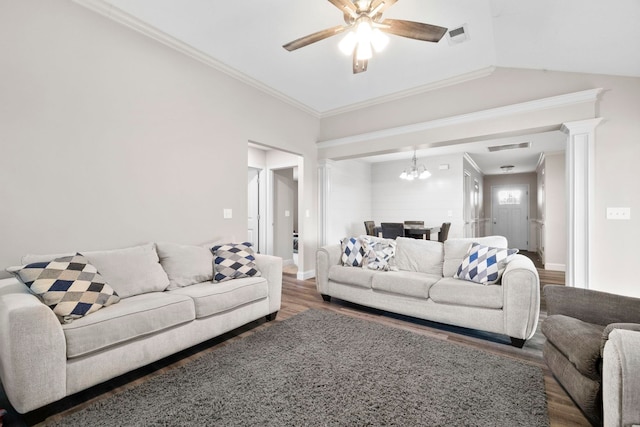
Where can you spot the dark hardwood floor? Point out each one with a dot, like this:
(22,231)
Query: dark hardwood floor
(299,296)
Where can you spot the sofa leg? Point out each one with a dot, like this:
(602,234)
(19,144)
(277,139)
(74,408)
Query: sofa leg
(271,316)
(517,342)
(327,298)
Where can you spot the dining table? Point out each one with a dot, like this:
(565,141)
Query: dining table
(411,230)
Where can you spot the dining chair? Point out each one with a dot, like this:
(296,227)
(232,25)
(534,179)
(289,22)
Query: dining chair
(369,227)
(391,230)
(444,231)
(413,233)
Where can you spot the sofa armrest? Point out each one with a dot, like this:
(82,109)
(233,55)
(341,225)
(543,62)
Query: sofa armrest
(600,308)
(621,379)
(613,326)
(521,290)
(33,362)
(271,269)
(326,256)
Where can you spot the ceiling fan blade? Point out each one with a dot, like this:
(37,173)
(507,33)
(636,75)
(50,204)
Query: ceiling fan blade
(379,6)
(346,6)
(312,38)
(413,30)
(359,66)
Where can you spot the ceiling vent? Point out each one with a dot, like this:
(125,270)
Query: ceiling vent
(458,35)
(509,146)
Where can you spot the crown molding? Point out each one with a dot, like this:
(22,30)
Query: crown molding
(574,98)
(484,72)
(472,163)
(121,17)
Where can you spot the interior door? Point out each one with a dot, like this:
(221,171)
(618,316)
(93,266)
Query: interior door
(510,214)
(253,208)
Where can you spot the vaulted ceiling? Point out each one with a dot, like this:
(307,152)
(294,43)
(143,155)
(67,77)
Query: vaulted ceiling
(590,36)
(245,38)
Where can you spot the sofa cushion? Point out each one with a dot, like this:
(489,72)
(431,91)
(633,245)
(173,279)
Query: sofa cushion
(425,256)
(360,277)
(354,251)
(70,286)
(234,261)
(131,318)
(131,271)
(456,249)
(578,341)
(185,264)
(461,292)
(484,264)
(213,298)
(408,283)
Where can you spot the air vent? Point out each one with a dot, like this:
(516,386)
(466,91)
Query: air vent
(458,35)
(509,146)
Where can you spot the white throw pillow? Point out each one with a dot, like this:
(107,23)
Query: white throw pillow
(424,256)
(185,264)
(131,271)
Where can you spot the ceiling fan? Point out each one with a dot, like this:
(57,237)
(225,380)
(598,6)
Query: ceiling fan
(364,22)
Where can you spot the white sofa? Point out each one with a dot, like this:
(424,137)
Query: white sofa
(168,303)
(424,287)
(621,377)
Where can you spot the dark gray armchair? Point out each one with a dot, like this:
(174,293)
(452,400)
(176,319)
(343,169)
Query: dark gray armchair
(577,328)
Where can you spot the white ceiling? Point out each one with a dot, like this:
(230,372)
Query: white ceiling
(246,37)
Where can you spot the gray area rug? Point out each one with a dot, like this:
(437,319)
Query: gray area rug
(325,369)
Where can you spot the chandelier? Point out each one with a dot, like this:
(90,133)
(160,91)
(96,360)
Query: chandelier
(415,171)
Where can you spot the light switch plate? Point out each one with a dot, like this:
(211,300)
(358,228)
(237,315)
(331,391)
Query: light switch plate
(227,214)
(287,213)
(618,213)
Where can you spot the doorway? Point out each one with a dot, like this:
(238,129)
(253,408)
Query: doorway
(510,214)
(273,214)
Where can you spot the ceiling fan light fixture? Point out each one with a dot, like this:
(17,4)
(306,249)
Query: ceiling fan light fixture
(365,28)
(379,40)
(364,51)
(348,43)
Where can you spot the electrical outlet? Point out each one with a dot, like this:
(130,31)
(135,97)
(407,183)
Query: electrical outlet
(618,213)
(227,213)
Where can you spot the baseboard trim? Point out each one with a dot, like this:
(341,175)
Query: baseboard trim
(304,275)
(555,267)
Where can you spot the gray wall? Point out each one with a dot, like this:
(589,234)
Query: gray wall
(111,139)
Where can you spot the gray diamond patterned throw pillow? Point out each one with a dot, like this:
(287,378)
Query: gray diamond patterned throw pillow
(484,264)
(70,286)
(233,261)
(381,255)
(354,251)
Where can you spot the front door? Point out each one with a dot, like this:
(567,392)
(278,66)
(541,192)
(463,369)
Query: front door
(510,214)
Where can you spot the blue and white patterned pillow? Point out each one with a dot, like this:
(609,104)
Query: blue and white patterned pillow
(70,286)
(354,251)
(381,254)
(234,261)
(484,264)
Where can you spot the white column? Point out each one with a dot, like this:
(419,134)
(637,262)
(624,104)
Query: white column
(324,189)
(580,211)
